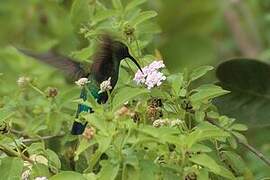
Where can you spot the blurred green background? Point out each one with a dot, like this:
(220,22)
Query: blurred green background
(193,33)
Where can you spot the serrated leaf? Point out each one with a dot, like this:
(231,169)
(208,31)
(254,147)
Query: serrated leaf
(200,148)
(84,144)
(132,173)
(143,16)
(199,72)
(11,168)
(208,162)
(68,175)
(177,81)
(53,159)
(90,176)
(203,175)
(232,141)
(148,170)
(103,144)
(239,127)
(199,116)
(207,92)
(39,170)
(103,14)
(133,4)
(240,137)
(108,171)
(117,4)
(235,161)
(204,131)
(126,94)
(36,148)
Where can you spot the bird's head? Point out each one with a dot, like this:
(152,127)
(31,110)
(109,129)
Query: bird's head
(121,52)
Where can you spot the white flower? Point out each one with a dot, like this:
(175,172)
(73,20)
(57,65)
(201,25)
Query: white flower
(176,122)
(160,122)
(151,77)
(82,82)
(156,65)
(41,178)
(26,174)
(105,86)
(23,81)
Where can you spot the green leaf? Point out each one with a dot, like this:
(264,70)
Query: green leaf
(240,137)
(133,4)
(127,94)
(103,14)
(108,171)
(103,144)
(143,16)
(39,170)
(200,148)
(232,141)
(203,175)
(68,175)
(80,12)
(84,144)
(199,116)
(5,114)
(199,72)
(36,148)
(148,169)
(132,173)
(53,159)
(205,131)
(207,92)
(235,161)
(11,168)
(90,176)
(208,162)
(239,127)
(98,122)
(117,4)
(249,100)
(177,81)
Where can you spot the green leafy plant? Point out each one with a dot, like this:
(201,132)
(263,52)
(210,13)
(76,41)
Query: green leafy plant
(170,131)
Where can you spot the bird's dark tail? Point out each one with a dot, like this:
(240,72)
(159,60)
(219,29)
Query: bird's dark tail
(78,128)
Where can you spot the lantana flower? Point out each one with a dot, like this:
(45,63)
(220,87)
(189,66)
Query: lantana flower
(151,76)
(82,82)
(105,86)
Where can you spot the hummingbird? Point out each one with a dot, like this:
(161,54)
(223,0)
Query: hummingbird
(106,63)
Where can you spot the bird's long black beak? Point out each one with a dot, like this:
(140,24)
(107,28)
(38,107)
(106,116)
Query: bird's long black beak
(135,62)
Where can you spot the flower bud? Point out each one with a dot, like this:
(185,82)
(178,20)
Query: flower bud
(51,92)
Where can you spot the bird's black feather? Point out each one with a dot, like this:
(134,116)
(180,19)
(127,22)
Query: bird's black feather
(67,65)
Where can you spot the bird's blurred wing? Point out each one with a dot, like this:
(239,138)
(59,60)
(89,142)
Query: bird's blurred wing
(67,65)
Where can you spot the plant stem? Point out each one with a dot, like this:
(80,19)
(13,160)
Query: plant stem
(246,145)
(41,138)
(12,153)
(37,89)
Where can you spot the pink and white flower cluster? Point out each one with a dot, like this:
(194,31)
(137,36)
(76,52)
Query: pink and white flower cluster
(151,76)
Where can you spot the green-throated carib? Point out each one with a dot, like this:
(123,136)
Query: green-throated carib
(106,62)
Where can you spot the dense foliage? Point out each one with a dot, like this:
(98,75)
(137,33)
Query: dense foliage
(173,131)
